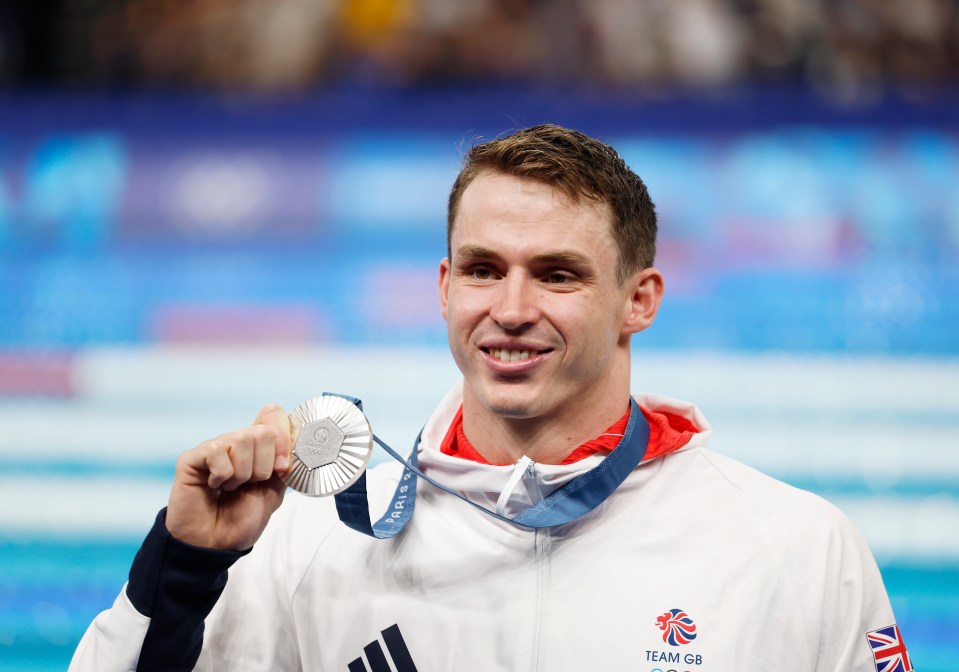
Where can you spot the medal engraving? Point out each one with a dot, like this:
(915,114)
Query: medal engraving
(318,443)
(332,444)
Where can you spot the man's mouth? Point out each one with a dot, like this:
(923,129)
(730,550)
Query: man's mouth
(506,355)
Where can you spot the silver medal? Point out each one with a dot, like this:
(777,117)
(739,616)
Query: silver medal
(332,444)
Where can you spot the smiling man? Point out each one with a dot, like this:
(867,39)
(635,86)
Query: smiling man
(539,318)
(603,533)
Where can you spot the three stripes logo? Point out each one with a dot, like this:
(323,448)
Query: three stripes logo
(398,652)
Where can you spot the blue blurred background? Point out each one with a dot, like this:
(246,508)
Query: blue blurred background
(204,208)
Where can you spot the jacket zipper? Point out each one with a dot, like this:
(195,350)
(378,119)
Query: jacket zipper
(542,598)
(542,541)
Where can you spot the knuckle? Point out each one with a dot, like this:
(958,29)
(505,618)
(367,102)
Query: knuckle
(213,447)
(237,443)
(261,433)
(270,410)
(183,460)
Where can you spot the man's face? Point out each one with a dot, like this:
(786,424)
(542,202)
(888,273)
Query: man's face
(536,318)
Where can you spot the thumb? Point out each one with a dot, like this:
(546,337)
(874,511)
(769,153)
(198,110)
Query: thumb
(274,417)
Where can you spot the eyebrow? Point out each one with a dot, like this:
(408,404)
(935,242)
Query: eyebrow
(559,256)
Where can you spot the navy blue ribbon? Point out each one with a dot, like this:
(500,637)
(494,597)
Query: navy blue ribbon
(565,504)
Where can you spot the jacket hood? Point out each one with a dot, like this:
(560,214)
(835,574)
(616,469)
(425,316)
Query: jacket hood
(489,485)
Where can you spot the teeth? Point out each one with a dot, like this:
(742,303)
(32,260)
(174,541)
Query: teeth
(509,355)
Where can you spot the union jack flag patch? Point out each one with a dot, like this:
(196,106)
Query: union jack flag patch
(888,650)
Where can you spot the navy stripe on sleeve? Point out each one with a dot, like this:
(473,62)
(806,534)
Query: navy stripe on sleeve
(176,585)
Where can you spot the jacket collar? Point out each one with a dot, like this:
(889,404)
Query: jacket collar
(485,483)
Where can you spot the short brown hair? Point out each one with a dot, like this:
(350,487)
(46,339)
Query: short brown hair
(579,166)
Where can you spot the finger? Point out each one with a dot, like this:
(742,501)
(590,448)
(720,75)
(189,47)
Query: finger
(273,415)
(264,452)
(216,460)
(241,446)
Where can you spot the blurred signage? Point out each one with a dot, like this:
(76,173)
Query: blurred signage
(803,239)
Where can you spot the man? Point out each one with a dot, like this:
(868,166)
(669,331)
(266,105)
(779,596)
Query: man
(685,560)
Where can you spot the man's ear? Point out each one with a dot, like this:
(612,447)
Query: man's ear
(646,293)
(444,287)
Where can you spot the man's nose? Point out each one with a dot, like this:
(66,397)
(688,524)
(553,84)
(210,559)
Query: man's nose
(515,304)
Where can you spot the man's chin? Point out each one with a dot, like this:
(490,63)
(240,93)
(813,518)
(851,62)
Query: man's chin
(514,403)
(511,411)
(514,407)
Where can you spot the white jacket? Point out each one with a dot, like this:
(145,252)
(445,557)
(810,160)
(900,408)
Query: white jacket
(766,577)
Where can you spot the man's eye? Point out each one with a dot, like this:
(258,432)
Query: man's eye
(558,278)
(481,273)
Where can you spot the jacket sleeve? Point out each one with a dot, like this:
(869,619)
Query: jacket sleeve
(859,605)
(157,622)
(842,593)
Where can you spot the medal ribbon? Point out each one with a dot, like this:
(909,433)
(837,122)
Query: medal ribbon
(565,504)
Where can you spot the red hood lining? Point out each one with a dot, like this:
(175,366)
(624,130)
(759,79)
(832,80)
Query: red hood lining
(667,432)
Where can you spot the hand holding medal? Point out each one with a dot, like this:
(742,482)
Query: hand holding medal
(227,488)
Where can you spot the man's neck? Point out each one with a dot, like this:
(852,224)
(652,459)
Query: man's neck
(546,440)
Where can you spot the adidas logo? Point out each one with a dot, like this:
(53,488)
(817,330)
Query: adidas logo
(395,645)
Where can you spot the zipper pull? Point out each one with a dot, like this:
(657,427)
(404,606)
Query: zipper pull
(519,473)
(532,487)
